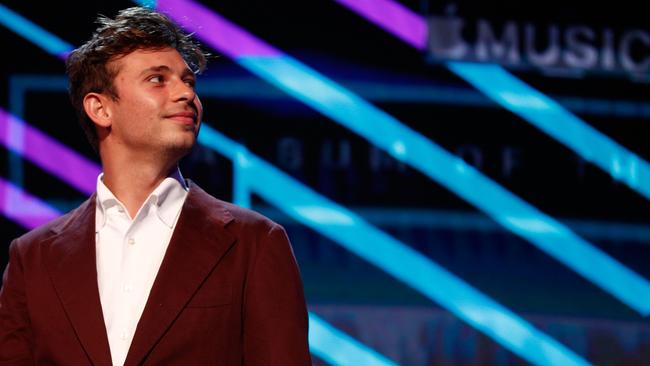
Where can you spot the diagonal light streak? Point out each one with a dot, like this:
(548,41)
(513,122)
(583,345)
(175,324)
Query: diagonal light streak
(338,348)
(550,117)
(406,145)
(50,155)
(34,33)
(394,18)
(32,213)
(518,97)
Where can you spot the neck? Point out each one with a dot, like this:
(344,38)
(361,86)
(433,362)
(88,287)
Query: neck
(132,180)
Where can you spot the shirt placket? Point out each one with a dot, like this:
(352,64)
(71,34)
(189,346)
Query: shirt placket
(127,283)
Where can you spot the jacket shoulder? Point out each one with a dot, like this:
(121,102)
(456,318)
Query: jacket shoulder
(229,213)
(51,228)
(244,216)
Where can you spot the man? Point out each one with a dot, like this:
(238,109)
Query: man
(151,269)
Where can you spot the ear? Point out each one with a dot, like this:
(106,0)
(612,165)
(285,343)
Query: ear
(98,108)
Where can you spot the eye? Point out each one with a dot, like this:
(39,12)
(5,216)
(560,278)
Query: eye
(156,79)
(190,82)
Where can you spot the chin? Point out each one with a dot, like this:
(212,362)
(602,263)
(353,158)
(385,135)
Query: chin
(180,148)
(185,146)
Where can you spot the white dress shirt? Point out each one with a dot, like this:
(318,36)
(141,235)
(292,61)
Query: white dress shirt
(129,254)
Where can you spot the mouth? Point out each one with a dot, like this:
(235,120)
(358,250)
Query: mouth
(185,118)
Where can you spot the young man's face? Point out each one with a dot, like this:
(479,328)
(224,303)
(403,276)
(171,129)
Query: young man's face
(158,110)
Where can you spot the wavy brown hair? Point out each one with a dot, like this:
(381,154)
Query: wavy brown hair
(132,29)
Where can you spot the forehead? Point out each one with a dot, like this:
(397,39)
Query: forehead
(139,61)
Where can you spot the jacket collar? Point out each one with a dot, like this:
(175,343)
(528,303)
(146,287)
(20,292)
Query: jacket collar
(71,265)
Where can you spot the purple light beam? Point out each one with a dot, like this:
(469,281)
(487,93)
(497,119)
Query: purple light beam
(49,154)
(215,30)
(395,18)
(23,208)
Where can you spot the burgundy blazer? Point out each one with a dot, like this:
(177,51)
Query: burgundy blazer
(228,292)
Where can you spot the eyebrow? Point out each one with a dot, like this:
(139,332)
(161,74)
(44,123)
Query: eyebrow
(165,68)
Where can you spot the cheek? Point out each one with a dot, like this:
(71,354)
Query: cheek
(137,113)
(144,107)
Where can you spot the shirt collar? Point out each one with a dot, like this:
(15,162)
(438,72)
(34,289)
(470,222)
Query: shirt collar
(168,199)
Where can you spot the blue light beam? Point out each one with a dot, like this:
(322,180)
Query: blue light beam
(338,348)
(553,119)
(34,33)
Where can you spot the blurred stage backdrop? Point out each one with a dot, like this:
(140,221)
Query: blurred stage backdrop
(464,183)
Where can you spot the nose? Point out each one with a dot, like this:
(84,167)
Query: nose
(184,92)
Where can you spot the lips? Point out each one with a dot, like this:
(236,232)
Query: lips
(188,118)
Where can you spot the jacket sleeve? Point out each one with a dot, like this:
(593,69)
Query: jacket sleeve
(15,328)
(275,314)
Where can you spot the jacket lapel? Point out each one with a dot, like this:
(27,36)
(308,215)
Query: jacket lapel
(71,263)
(198,243)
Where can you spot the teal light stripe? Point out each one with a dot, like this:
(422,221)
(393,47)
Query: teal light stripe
(393,256)
(147,3)
(213,139)
(408,146)
(241,195)
(338,348)
(620,235)
(251,88)
(18,84)
(553,119)
(35,34)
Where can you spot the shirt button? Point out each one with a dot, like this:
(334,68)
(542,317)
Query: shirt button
(128,288)
(131,241)
(123,335)
(120,209)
